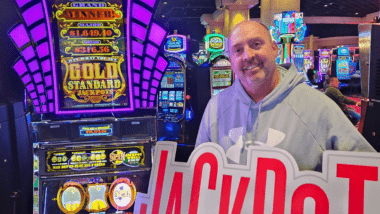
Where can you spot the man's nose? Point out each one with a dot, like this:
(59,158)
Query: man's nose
(249,53)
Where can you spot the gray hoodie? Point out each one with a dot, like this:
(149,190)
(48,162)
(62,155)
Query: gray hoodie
(293,117)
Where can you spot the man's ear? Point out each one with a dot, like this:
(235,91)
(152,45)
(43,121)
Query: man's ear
(274,47)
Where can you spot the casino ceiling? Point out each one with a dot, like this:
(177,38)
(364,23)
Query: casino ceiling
(184,15)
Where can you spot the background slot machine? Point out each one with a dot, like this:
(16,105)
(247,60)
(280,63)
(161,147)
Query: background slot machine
(298,57)
(279,54)
(91,71)
(289,29)
(354,62)
(221,75)
(322,64)
(343,64)
(308,59)
(172,93)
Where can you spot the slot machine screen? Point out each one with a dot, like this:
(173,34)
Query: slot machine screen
(91,50)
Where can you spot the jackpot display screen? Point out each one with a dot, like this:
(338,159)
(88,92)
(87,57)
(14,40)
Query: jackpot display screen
(91,39)
(221,78)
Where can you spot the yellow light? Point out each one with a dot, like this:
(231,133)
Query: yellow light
(237,19)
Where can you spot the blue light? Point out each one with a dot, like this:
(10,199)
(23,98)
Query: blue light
(189,114)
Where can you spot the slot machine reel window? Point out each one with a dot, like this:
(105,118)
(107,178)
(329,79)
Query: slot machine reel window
(222,78)
(171,98)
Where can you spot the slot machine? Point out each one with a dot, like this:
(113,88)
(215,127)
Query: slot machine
(289,30)
(322,64)
(308,59)
(343,64)
(92,72)
(354,62)
(298,57)
(171,106)
(221,76)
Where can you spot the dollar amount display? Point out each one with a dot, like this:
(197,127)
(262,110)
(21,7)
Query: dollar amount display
(99,49)
(88,33)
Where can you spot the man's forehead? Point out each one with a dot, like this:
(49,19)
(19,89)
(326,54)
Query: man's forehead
(253,29)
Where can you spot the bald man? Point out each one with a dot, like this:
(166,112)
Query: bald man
(268,105)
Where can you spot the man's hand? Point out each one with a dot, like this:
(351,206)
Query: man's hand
(358,103)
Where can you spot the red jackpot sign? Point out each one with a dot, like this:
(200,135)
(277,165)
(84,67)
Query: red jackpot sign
(269,183)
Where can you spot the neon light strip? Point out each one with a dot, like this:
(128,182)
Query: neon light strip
(57,110)
(52,63)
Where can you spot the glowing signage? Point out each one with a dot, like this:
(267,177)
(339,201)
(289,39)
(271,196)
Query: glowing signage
(288,23)
(214,43)
(90,159)
(344,51)
(93,72)
(324,52)
(175,44)
(306,53)
(96,130)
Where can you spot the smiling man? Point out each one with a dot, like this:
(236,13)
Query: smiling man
(268,105)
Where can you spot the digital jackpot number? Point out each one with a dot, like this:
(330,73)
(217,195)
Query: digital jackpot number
(78,33)
(92,49)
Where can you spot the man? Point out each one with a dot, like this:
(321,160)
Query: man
(333,92)
(269,105)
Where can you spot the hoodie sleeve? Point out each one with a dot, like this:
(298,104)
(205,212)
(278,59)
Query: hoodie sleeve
(336,132)
(204,128)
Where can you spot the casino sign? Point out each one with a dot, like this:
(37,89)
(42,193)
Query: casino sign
(89,57)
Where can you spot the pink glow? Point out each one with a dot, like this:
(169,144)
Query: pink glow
(136,63)
(28,53)
(156,34)
(33,66)
(19,35)
(33,14)
(20,67)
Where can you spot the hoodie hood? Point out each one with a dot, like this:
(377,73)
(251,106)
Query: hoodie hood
(289,80)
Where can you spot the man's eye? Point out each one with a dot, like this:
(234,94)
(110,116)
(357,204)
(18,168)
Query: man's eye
(238,50)
(256,44)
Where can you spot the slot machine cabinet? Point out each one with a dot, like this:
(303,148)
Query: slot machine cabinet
(298,57)
(288,30)
(172,102)
(322,64)
(370,64)
(7,163)
(92,81)
(342,64)
(221,75)
(308,60)
(172,92)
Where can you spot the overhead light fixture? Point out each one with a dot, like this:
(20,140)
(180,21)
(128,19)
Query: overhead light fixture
(165,2)
(330,3)
(356,13)
(163,16)
(325,5)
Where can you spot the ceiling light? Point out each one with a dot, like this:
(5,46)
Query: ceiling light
(163,16)
(325,5)
(356,13)
(165,2)
(330,3)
